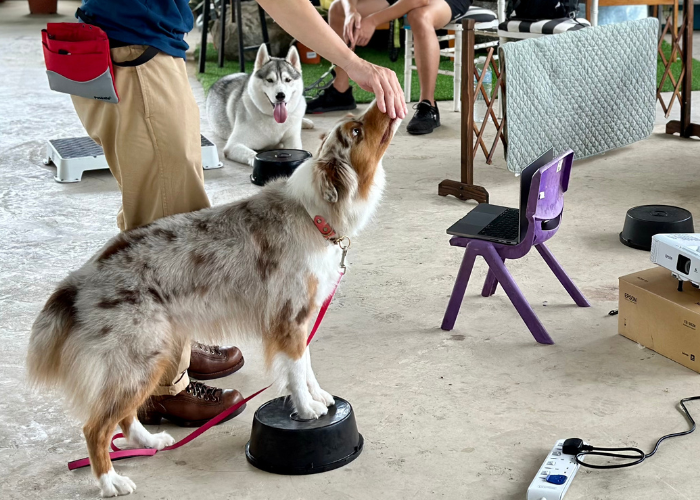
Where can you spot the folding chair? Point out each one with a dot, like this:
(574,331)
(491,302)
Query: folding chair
(486,23)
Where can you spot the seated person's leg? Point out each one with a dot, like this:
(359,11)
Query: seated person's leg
(424,21)
(339,95)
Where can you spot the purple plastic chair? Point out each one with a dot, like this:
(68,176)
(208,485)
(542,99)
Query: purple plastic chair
(545,203)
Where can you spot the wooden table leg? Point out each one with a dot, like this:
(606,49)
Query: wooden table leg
(684,127)
(466,189)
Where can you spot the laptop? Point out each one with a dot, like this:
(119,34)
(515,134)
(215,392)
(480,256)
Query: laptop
(501,224)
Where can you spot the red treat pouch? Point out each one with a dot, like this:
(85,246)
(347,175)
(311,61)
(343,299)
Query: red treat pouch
(78,61)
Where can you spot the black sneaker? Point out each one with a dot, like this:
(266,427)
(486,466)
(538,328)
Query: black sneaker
(331,100)
(425,120)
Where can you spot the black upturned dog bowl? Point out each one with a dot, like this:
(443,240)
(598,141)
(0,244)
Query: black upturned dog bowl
(282,443)
(276,163)
(641,223)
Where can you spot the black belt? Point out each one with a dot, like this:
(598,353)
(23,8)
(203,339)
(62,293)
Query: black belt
(146,56)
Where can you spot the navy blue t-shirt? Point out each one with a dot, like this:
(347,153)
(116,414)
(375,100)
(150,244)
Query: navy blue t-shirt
(159,23)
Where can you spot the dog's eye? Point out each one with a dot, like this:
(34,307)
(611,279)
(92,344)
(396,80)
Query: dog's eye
(355,132)
(287,80)
(270,80)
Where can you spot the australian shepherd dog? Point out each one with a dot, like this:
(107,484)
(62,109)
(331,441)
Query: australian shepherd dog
(259,266)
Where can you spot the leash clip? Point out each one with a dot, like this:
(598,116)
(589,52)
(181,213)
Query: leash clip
(344,248)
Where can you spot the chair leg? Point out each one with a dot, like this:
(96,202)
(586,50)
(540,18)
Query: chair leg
(457,79)
(491,283)
(465,271)
(408,62)
(263,28)
(516,296)
(239,27)
(562,276)
(222,39)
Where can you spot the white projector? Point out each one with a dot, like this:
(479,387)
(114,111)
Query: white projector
(679,253)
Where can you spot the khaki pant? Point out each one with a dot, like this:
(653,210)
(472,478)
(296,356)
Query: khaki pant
(152,145)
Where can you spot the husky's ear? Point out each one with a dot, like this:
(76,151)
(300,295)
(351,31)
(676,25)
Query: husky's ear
(262,58)
(293,58)
(328,177)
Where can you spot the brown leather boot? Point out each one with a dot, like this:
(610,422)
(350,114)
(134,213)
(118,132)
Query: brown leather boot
(193,407)
(211,361)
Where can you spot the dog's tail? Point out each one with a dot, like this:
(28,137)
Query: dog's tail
(49,334)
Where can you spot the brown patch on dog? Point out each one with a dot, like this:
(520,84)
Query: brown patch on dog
(367,152)
(59,315)
(123,296)
(267,257)
(287,334)
(120,243)
(118,405)
(156,295)
(201,259)
(105,330)
(305,312)
(165,233)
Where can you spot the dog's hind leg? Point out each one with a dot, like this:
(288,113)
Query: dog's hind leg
(317,393)
(117,405)
(137,435)
(98,432)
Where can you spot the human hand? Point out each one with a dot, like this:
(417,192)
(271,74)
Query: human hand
(382,82)
(352,24)
(363,34)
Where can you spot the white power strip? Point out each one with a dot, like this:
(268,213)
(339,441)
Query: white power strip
(555,476)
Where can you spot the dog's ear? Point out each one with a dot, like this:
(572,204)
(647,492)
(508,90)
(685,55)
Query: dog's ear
(328,179)
(262,58)
(293,58)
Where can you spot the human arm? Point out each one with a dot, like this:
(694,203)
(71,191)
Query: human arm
(301,20)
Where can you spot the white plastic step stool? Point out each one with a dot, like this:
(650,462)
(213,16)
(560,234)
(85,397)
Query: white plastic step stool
(75,155)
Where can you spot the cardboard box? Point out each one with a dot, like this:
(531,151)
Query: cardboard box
(655,314)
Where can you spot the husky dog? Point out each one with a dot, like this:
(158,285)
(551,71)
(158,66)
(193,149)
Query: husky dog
(258,266)
(260,111)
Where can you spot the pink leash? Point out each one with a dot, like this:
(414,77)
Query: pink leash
(118,454)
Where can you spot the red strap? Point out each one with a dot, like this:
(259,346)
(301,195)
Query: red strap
(118,454)
(326,230)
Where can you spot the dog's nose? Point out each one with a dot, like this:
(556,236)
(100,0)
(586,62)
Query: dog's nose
(280,96)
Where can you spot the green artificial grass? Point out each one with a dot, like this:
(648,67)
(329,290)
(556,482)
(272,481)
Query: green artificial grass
(443,89)
(675,70)
(312,72)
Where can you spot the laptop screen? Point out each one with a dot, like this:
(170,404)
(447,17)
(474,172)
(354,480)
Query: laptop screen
(525,181)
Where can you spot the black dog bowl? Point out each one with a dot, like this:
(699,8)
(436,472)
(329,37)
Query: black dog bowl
(276,163)
(644,222)
(282,443)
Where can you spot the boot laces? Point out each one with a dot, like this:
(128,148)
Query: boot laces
(202,391)
(211,349)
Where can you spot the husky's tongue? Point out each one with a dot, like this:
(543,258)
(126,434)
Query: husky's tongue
(280,112)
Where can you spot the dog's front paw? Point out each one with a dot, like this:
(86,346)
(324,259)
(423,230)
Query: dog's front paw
(162,440)
(114,485)
(322,396)
(307,124)
(312,410)
(251,161)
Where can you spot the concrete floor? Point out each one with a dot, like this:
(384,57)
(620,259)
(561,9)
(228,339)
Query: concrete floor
(464,414)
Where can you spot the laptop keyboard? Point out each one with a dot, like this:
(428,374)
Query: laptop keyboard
(505,226)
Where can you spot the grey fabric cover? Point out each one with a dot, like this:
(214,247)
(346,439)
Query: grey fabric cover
(591,90)
(101,88)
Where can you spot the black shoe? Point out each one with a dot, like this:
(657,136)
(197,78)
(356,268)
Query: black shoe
(331,100)
(425,120)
